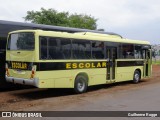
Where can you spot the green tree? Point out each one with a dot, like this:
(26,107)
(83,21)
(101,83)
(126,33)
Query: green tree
(49,17)
(82,21)
(53,17)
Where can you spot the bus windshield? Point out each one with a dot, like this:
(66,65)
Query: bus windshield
(21,41)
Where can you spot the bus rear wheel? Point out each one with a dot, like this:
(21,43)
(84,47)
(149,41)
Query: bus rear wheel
(136,76)
(81,84)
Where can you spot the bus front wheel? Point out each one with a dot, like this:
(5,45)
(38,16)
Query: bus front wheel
(81,84)
(136,76)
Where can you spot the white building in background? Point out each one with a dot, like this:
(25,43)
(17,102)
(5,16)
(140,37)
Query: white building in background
(157,48)
(157,51)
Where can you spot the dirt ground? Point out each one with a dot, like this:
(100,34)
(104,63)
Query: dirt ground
(31,99)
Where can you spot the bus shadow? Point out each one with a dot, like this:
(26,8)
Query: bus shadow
(35,94)
(13,87)
(114,85)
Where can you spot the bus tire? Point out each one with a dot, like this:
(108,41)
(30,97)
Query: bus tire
(136,76)
(81,84)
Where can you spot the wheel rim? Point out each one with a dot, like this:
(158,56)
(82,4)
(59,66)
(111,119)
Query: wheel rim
(81,85)
(136,76)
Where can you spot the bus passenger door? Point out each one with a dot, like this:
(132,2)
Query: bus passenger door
(148,61)
(111,54)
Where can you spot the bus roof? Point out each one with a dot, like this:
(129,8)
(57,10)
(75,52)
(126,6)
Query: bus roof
(8,26)
(85,35)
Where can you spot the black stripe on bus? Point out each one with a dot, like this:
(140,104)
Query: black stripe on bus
(47,66)
(70,65)
(129,63)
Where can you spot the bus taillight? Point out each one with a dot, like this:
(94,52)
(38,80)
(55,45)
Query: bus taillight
(33,72)
(7,70)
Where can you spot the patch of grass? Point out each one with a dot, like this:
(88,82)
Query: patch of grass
(157,62)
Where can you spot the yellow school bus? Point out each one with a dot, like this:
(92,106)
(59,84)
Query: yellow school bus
(49,59)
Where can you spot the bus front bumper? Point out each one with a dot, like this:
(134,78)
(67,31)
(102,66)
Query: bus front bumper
(32,82)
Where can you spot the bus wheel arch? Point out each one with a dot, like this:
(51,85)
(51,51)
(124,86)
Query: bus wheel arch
(137,76)
(81,83)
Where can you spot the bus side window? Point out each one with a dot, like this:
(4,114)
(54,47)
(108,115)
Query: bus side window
(55,49)
(144,54)
(66,48)
(81,49)
(128,51)
(43,48)
(98,50)
(138,52)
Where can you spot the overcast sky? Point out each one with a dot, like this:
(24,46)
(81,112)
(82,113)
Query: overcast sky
(133,19)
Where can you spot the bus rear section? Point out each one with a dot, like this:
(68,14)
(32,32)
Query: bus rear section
(20,55)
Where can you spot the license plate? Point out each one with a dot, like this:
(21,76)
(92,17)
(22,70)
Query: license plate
(19,65)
